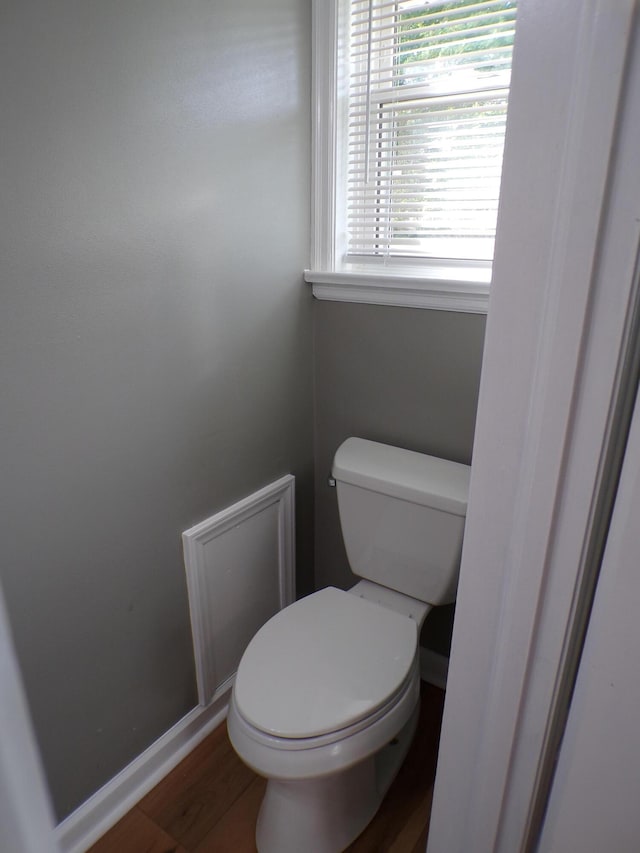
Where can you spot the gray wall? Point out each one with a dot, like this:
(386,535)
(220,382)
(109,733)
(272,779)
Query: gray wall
(403,376)
(155,340)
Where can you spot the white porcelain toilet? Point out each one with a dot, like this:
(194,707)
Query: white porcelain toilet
(326,697)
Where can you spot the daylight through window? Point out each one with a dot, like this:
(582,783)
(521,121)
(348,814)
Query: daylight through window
(427,98)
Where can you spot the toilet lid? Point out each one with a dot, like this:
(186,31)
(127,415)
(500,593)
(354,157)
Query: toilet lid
(322,664)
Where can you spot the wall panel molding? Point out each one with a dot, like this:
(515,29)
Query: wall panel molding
(240,567)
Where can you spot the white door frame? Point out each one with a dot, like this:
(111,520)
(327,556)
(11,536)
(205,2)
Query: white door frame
(557,335)
(26,817)
(593,805)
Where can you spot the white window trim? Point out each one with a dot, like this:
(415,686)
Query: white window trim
(467,293)
(439,284)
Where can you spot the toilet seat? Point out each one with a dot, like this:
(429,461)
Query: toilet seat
(326,666)
(305,758)
(300,743)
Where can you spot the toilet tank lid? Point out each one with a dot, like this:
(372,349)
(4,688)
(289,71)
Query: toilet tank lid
(405,474)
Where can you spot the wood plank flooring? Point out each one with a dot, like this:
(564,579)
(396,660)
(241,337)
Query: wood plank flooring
(209,803)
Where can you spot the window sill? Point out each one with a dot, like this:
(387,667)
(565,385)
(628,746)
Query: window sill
(443,289)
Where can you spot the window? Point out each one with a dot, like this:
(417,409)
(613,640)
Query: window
(410,123)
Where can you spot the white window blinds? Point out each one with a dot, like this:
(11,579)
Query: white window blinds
(427,99)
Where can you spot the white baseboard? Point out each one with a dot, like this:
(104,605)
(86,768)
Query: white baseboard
(100,812)
(434,667)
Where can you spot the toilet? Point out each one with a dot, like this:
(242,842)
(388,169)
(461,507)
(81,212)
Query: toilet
(326,698)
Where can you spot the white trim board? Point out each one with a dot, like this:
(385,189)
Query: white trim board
(556,334)
(26,816)
(442,294)
(100,812)
(434,668)
(240,566)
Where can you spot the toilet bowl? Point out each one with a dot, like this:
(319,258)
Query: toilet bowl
(329,732)
(326,697)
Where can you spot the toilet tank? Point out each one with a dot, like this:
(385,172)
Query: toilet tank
(402,515)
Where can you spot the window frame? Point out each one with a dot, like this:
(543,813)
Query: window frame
(442,284)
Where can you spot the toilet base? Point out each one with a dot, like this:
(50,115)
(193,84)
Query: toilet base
(325,815)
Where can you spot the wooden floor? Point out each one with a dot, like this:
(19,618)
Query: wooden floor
(210,801)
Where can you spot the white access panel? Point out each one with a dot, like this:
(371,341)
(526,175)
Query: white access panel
(240,572)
